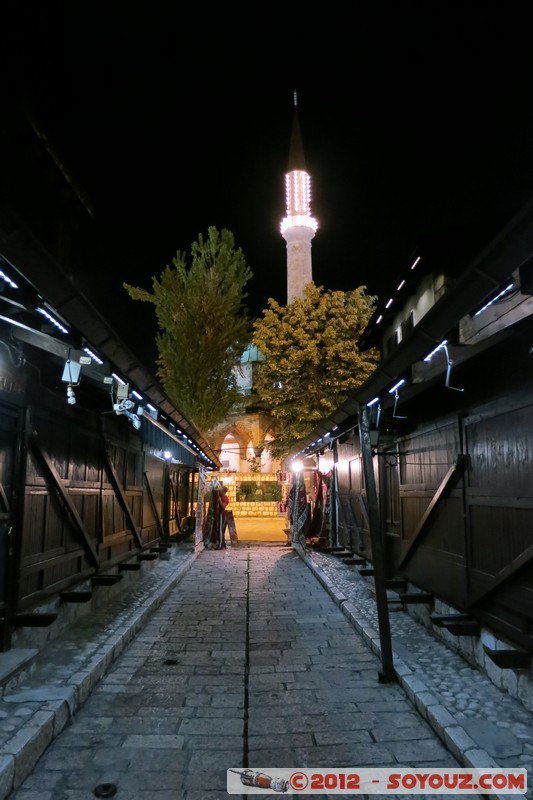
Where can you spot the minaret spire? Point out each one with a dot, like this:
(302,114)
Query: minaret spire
(298,227)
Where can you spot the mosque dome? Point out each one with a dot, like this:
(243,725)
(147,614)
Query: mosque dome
(252,355)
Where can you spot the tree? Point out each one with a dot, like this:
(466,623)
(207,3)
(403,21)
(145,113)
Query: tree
(203,326)
(312,362)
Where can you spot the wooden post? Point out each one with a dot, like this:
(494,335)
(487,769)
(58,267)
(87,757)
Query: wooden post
(378,559)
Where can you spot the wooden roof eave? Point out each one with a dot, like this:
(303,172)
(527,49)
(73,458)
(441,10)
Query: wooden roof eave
(508,250)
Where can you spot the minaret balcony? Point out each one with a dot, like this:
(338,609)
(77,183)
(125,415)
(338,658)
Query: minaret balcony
(300,221)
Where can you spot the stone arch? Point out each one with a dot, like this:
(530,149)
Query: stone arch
(253,457)
(247,434)
(268,464)
(229,453)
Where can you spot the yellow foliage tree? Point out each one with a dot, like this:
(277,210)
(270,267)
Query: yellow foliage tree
(312,362)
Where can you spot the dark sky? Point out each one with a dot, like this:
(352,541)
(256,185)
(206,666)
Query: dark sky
(415,118)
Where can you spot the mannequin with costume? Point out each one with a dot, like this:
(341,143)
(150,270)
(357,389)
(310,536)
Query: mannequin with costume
(214,524)
(223,501)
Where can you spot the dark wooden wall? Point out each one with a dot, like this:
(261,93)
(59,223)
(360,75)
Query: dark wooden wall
(79,495)
(455,492)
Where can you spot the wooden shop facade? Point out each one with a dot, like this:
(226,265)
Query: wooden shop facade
(97,466)
(431,459)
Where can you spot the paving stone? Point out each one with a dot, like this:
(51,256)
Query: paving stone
(307,693)
(497,741)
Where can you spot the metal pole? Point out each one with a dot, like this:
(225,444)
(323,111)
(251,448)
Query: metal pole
(296,516)
(334,507)
(166,502)
(378,561)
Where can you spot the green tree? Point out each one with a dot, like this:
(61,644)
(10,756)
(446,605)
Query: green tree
(312,362)
(203,326)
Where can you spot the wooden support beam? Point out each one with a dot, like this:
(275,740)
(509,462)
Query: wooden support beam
(157,518)
(364,514)
(503,575)
(67,500)
(113,477)
(452,472)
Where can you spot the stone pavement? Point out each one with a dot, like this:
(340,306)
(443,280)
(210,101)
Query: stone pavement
(480,724)
(240,659)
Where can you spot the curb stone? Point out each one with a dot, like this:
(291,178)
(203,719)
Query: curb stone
(49,707)
(452,734)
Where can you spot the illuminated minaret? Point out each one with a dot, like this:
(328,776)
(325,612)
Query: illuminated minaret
(298,227)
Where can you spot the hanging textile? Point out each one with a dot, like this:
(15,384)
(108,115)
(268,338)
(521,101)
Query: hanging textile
(214,521)
(319,527)
(200,508)
(298,510)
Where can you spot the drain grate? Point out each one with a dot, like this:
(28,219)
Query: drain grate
(105,790)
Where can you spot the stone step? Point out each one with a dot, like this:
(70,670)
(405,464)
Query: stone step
(415,597)
(34,620)
(509,659)
(105,580)
(75,597)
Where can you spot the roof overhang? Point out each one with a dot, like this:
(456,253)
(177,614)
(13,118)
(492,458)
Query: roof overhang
(511,248)
(42,275)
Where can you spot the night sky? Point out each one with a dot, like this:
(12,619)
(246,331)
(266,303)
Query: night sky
(415,118)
